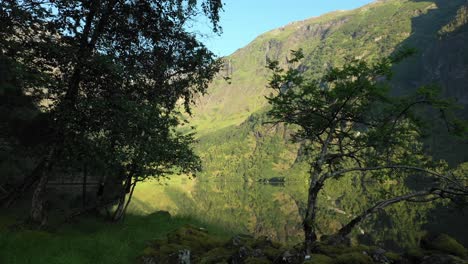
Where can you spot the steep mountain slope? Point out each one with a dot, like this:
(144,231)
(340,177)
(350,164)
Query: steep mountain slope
(238,146)
(230,144)
(371,31)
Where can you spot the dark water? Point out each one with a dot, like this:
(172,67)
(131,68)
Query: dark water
(276,210)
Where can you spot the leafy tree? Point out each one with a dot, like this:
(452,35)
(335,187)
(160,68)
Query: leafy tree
(350,125)
(112,78)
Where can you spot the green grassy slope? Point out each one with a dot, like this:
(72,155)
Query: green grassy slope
(369,32)
(89,240)
(235,144)
(230,118)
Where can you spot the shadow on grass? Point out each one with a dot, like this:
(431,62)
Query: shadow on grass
(89,239)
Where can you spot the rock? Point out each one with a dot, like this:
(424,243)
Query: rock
(379,256)
(184,256)
(239,256)
(318,259)
(287,257)
(257,253)
(353,258)
(148,260)
(292,256)
(239,240)
(216,255)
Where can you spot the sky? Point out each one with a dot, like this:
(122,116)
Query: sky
(244,20)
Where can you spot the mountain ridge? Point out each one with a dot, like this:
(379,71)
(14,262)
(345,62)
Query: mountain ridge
(229,118)
(326,40)
(239,148)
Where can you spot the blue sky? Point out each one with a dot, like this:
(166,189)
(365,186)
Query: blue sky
(243,20)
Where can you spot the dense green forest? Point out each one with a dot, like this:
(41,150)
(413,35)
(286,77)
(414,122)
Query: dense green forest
(336,139)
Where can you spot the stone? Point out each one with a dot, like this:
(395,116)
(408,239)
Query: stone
(184,256)
(378,256)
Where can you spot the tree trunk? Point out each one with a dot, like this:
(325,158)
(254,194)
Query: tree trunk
(129,199)
(85,179)
(119,212)
(311,212)
(120,206)
(38,213)
(28,182)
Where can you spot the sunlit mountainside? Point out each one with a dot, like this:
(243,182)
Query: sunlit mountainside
(229,119)
(237,144)
(369,32)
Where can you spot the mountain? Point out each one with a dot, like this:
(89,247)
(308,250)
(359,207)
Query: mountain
(371,31)
(239,147)
(233,140)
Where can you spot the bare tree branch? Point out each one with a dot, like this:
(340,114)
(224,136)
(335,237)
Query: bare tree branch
(345,230)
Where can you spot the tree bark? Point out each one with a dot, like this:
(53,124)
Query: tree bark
(85,179)
(316,183)
(311,213)
(130,195)
(119,211)
(38,213)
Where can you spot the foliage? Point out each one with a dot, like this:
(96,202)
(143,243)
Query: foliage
(368,32)
(235,145)
(443,243)
(349,124)
(111,78)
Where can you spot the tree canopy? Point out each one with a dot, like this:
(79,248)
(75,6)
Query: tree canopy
(350,124)
(110,80)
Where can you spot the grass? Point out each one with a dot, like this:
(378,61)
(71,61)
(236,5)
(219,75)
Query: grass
(88,240)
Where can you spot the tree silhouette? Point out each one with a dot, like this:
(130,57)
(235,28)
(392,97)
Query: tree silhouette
(112,78)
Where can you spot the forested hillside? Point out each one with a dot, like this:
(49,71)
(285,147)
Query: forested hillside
(341,138)
(237,142)
(234,142)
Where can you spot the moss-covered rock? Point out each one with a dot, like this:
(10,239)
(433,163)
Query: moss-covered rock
(353,258)
(208,249)
(443,243)
(149,251)
(197,239)
(319,259)
(202,247)
(335,250)
(216,255)
(254,260)
(272,252)
(187,238)
(393,257)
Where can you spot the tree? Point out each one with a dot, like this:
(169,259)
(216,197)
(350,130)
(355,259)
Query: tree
(349,124)
(112,78)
